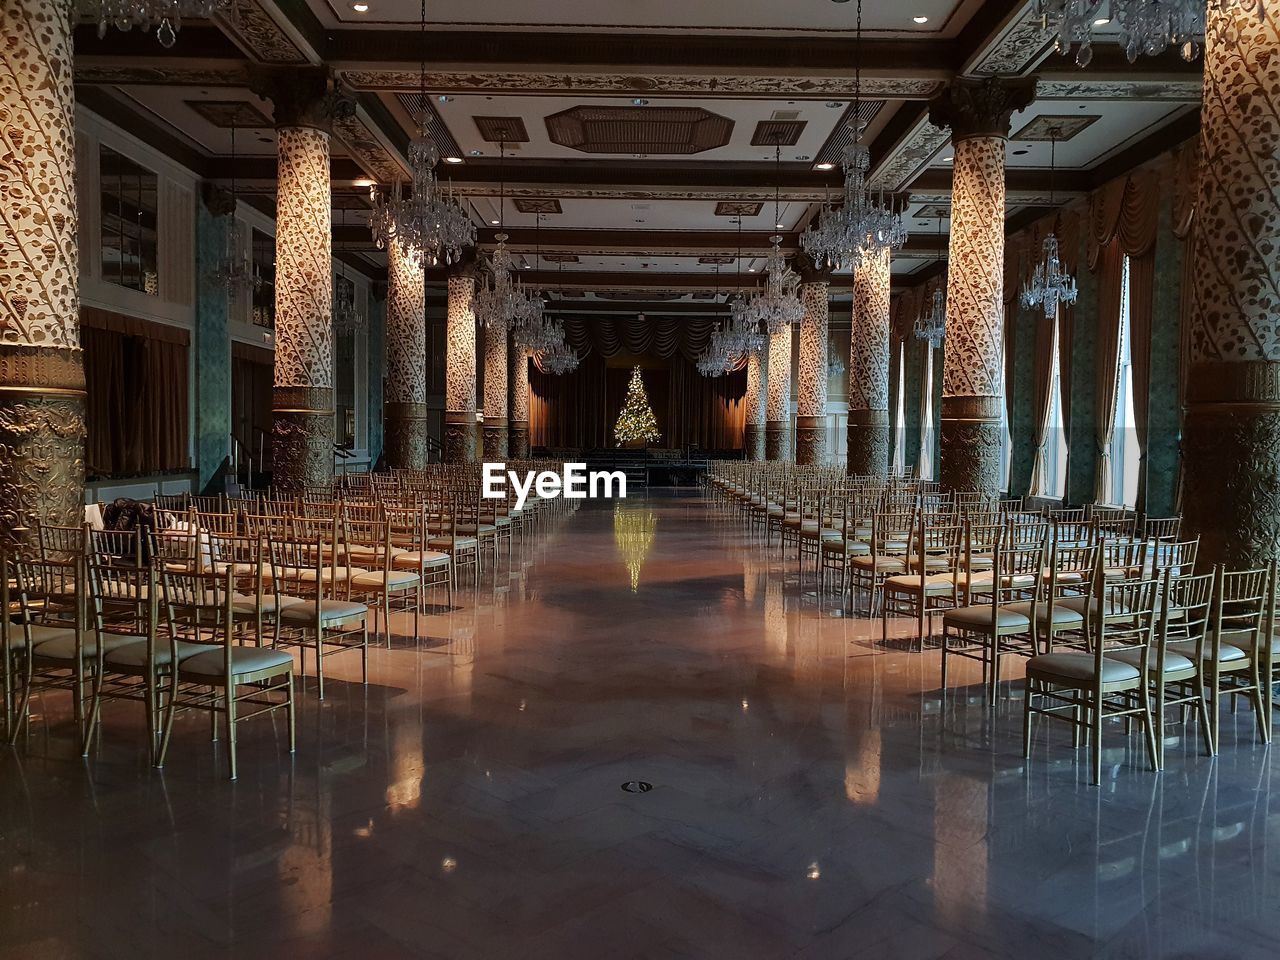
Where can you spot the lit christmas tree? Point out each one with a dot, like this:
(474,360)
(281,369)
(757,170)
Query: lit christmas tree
(636,421)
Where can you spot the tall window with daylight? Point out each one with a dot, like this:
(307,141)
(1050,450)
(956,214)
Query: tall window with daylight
(1006,436)
(926,418)
(129,218)
(1125,452)
(900,416)
(1053,479)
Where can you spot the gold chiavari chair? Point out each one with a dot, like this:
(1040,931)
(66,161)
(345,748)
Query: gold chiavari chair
(229,677)
(929,587)
(1065,591)
(1161,528)
(409,538)
(891,534)
(443,535)
(379,579)
(1085,688)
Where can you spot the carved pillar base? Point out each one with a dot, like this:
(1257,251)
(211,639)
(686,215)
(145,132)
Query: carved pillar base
(42,434)
(518,439)
(1231,451)
(302,438)
(970,445)
(405,435)
(811,440)
(753,441)
(459,436)
(777,440)
(868,452)
(495,438)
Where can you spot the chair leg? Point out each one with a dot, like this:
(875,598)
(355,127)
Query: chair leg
(289,712)
(320,664)
(1095,745)
(231,730)
(1026,718)
(1149,726)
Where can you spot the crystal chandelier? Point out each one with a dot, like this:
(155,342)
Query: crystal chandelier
(558,359)
(778,304)
(865,223)
(501,300)
(1146,26)
(429,225)
(235,268)
(931,325)
(165,15)
(734,339)
(1050,285)
(545,336)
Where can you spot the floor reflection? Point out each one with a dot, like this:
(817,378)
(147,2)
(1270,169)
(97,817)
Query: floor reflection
(815,795)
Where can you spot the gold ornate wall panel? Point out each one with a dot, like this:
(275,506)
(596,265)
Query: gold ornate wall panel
(303,428)
(778,425)
(460,371)
(975,280)
(405,430)
(495,393)
(756,401)
(1231,432)
(42,419)
(868,432)
(811,402)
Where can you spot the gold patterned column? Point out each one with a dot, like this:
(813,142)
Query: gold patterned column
(869,369)
(305,103)
(495,393)
(460,370)
(978,113)
(518,432)
(777,431)
(811,400)
(42,398)
(756,402)
(405,405)
(1231,435)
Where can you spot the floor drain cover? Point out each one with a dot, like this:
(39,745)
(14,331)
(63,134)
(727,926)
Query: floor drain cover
(637,786)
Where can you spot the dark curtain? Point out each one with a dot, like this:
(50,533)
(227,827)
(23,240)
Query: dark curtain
(578,410)
(137,395)
(252,375)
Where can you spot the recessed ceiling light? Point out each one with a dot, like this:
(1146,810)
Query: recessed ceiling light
(362,183)
(824,166)
(751,269)
(476,153)
(947,159)
(835,104)
(360,7)
(639,102)
(779,226)
(920,19)
(494,222)
(444,98)
(452,159)
(1102,21)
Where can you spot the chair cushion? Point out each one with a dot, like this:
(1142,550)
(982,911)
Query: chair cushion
(852,548)
(133,656)
(244,660)
(329,574)
(1228,652)
(1062,616)
(1077,667)
(40,633)
(64,647)
(1078,605)
(332,612)
(411,560)
(978,617)
(1175,664)
(245,606)
(445,543)
(881,564)
(935,583)
(386,580)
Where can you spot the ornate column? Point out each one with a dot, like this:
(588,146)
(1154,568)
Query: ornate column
(777,431)
(405,410)
(42,398)
(869,369)
(460,370)
(756,402)
(495,393)
(1231,435)
(518,429)
(305,103)
(811,401)
(215,216)
(978,112)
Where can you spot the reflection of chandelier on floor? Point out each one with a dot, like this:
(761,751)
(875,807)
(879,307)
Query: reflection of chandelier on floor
(1147,27)
(865,223)
(165,15)
(633,532)
(429,224)
(1050,285)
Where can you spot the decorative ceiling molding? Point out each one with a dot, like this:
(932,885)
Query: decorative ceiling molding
(1083,87)
(221,73)
(570,192)
(909,155)
(1048,126)
(639,130)
(508,130)
(1019,47)
(778,133)
(259,35)
(700,85)
(538,205)
(362,143)
(738,208)
(231,113)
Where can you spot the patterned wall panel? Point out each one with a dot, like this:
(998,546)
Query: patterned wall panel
(495,372)
(460,349)
(812,374)
(975,282)
(304,283)
(778,382)
(406,328)
(869,344)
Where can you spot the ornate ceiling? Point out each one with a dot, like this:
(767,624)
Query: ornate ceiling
(632,175)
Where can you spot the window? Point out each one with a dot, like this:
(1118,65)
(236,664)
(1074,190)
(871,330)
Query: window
(1053,482)
(264,280)
(900,416)
(344,358)
(926,418)
(1125,453)
(1006,436)
(129,209)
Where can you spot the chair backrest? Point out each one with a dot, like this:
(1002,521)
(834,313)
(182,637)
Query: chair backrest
(1016,570)
(1161,528)
(1244,608)
(940,542)
(1123,616)
(197,606)
(1190,597)
(60,543)
(1178,557)
(122,598)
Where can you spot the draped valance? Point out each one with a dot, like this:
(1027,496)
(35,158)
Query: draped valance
(1128,210)
(656,336)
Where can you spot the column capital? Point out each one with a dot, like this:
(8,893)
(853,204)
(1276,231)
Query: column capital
(302,96)
(981,106)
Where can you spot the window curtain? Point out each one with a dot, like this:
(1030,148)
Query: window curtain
(1186,181)
(1123,216)
(1067,230)
(925,461)
(1042,383)
(136,386)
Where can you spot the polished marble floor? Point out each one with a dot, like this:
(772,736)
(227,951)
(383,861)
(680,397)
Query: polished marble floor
(814,794)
